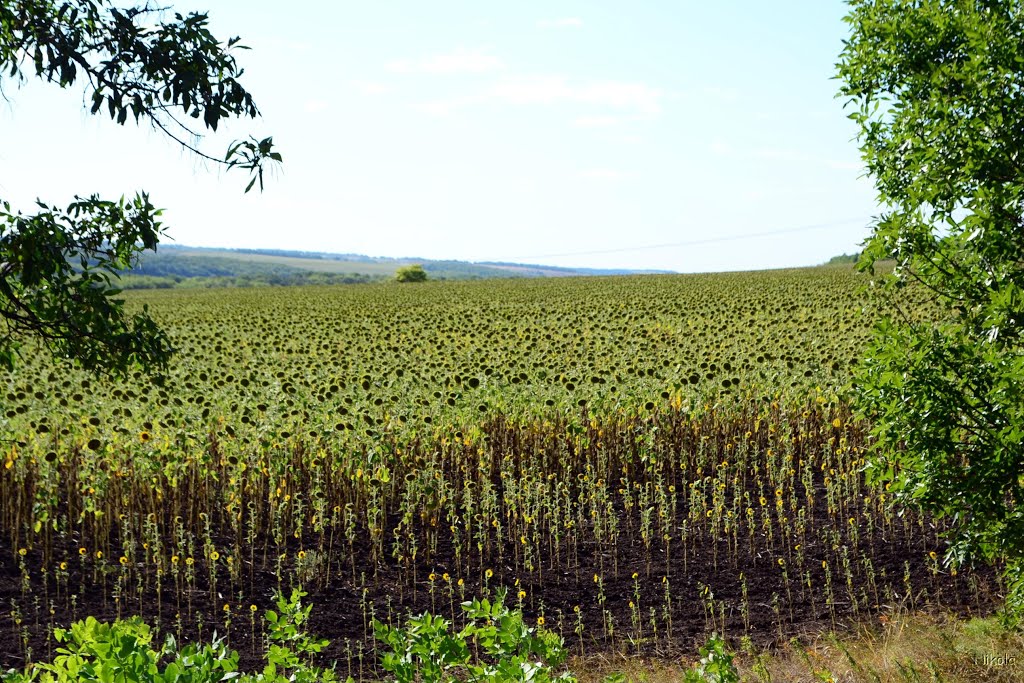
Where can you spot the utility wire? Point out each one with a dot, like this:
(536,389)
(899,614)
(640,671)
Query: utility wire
(692,243)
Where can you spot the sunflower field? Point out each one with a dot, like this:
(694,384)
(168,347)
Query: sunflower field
(637,461)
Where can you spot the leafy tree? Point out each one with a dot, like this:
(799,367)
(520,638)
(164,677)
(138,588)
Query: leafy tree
(414,273)
(938,93)
(58,265)
(843,259)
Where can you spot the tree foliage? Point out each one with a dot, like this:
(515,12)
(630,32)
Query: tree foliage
(843,259)
(57,266)
(413,273)
(936,87)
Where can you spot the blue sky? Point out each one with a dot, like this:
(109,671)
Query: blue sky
(603,134)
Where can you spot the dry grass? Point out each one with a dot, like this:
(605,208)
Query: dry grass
(909,648)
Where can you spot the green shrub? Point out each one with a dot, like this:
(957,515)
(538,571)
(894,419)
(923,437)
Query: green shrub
(495,646)
(715,664)
(123,652)
(507,650)
(413,273)
(291,652)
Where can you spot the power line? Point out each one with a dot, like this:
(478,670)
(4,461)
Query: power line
(692,243)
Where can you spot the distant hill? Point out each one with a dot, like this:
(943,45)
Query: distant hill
(184,266)
(532,270)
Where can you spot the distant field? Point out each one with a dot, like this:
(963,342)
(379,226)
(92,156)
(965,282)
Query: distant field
(640,460)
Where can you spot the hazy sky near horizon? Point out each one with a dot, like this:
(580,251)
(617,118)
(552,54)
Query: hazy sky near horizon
(679,135)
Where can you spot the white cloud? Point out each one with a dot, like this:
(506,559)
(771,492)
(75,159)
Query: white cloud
(639,97)
(757,194)
(595,121)
(279,44)
(722,149)
(797,157)
(602,174)
(443,107)
(372,87)
(783,154)
(565,22)
(460,61)
(530,90)
(720,93)
(846,165)
(314,106)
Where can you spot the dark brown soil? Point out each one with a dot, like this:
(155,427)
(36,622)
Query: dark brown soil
(343,608)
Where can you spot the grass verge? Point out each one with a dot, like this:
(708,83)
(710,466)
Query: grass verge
(905,648)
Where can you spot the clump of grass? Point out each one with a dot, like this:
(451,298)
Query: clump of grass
(901,648)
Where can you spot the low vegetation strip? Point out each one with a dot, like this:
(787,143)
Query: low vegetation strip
(176,266)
